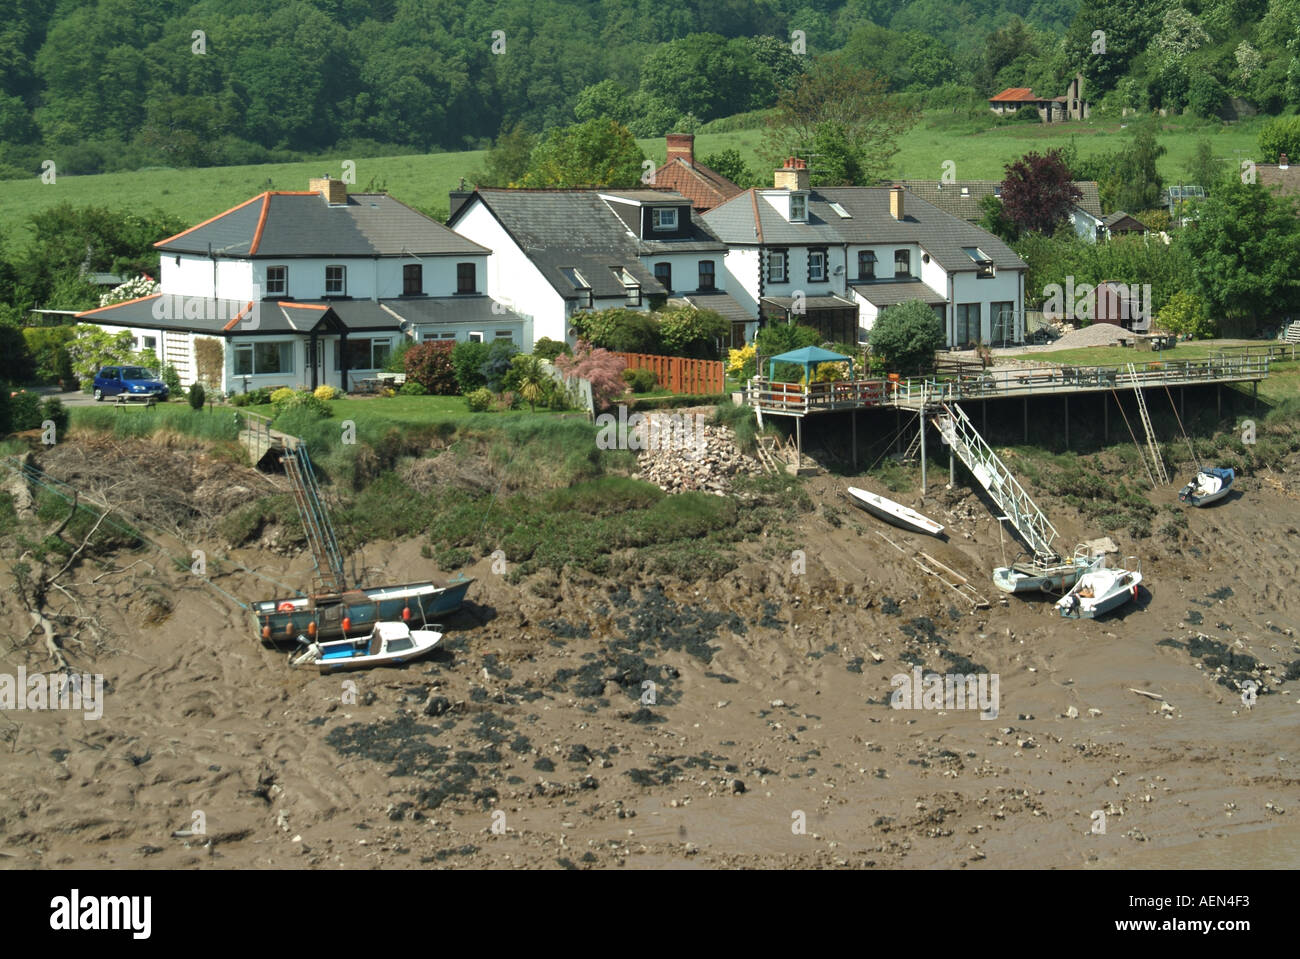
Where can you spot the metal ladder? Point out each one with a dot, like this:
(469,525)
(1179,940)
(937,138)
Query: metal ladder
(1152,445)
(315,520)
(1028,520)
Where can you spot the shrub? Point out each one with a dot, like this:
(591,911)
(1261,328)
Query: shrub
(412,388)
(172,380)
(468,359)
(325,392)
(906,337)
(306,401)
(196,396)
(24,411)
(548,349)
(780,338)
(279,396)
(6,412)
(619,329)
(429,364)
(1185,314)
(53,409)
(397,359)
(641,381)
(687,331)
(497,365)
(505,401)
(600,367)
(15,357)
(253,397)
(478,400)
(742,362)
(48,347)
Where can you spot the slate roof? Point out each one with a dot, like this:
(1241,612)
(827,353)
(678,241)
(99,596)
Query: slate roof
(718,301)
(832,302)
(237,318)
(301,224)
(1118,217)
(940,234)
(576,229)
(949,197)
(891,294)
(704,187)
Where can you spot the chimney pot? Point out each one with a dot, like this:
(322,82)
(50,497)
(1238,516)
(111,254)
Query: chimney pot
(792,176)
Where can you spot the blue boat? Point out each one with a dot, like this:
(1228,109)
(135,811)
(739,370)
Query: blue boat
(340,615)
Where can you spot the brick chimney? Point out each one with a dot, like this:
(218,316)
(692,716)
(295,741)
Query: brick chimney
(681,145)
(896,201)
(334,191)
(792,176)
(1282,163)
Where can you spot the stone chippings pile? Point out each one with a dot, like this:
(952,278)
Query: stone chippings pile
(706,463)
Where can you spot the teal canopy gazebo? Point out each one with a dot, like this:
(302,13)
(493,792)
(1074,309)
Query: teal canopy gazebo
(808,357)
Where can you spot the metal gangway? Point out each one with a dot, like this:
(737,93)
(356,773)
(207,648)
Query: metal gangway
(315,520)
(965,441)
(1153,447)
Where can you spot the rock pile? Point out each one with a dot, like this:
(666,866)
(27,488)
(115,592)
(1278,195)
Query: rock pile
(693,455)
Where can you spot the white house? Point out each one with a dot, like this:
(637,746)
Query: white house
(558,252)
(306,288)
(834,257)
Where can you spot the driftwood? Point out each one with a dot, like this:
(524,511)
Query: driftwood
(1148,695)
(51,640)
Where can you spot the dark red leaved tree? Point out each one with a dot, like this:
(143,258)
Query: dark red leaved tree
(1037,193)
(429,364)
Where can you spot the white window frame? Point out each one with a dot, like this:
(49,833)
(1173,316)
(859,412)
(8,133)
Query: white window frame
(343,280)
(283,281)
(476,336)
(663,218)
(775,259)
(800,215)
(817,256)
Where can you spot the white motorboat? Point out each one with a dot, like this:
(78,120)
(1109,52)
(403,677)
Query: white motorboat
(1099,591)
(385,644)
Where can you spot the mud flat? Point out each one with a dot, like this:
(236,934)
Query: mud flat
(573,721)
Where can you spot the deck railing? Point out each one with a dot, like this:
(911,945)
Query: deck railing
(796,399)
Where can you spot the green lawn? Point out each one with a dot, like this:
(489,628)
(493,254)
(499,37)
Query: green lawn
(422,181)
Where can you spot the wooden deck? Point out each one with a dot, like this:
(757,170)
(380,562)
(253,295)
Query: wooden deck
(792,399)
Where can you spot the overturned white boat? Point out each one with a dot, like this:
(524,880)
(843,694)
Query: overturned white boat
(1101,590)
(895,513)
(386,644)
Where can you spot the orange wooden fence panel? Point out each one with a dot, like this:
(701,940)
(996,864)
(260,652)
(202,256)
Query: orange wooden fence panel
(679,374)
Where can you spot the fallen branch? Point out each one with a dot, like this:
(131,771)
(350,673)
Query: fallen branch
(51,643)
(1148,695)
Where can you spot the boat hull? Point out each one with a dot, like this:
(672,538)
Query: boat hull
(352,663)
(425,601)
(894,513)
(1189,495)
(1117,596)
(1012,580)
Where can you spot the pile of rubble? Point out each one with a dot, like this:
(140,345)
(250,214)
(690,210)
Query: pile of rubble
(691,454)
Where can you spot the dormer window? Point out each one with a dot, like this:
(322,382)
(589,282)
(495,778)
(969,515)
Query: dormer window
(631,287)
(983,262)
(580,285)
(664,218)
(798,208)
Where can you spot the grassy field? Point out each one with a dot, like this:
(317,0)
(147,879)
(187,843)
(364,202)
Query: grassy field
(978,152)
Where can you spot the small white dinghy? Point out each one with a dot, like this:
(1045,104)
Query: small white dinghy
(1101,590)
(895,513)
(385,644)
(1210,485)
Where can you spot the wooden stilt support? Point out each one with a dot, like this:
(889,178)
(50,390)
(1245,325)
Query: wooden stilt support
(854,417)
(1105,419)
(798,439)
(1218,400)
(1067,422)
(920,422)
(1026,420)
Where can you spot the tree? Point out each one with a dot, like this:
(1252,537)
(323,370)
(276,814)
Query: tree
(996,221)
(1185,314)
(607,99)
(508,159)
(92,348)
(707,75)
(619,329)
(906,337)
(1280,135)
(529,378)
(1038,192)
(429,364)
(841,104)
(599,367)
(1205,94)
(1126,28)
(687,331)
(731,165)
(1133,182)
(598,153)
(1246,252)
(1202,168)
(467,360)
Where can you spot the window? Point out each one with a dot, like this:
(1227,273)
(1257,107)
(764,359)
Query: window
(476,337)
(466,281)
(580,284)
(866,265)
(902,263)
(432,337)
(1003,319)
(631,288)
(277,281)
(366,354)
(968,324)
(664,274)
(816,266)
(664,218)
(504,335)
(706,275)
(336,281)
(840,212)
(798,207)
(412,279)
(149,343)
(982,261)
(776,264)
(255,359)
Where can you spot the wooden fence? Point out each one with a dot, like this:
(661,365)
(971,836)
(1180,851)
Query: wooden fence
(679,374)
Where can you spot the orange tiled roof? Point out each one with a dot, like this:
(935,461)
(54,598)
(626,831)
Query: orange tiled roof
(1015,95)
(704,187)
